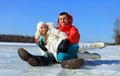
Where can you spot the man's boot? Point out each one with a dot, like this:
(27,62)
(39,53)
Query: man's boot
(72,63)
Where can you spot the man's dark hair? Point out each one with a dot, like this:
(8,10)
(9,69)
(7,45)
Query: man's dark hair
(64,13)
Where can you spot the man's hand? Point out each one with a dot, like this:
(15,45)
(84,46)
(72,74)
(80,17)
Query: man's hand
(63,46)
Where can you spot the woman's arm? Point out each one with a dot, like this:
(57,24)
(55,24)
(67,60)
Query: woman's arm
(58,33)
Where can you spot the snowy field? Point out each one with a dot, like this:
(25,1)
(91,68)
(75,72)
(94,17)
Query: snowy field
(12,65)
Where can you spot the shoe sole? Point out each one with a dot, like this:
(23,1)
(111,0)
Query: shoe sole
(72,64)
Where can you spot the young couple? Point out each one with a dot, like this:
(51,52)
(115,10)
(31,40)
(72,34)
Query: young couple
(59,44)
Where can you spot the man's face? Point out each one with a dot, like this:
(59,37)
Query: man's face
(63,20)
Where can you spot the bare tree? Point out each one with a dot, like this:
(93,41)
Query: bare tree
(117,31)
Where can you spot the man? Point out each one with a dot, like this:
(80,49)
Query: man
(65,21)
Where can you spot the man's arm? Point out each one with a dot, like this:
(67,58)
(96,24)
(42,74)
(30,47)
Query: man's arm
(74,36)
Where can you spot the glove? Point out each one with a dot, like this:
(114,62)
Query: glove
(42,46)
(63,46)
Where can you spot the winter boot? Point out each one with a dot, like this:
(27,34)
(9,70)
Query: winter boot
(35,60)
(87,55)
(89,46)
(24,55)
(72,64)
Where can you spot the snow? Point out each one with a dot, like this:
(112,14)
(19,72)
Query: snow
(12,65)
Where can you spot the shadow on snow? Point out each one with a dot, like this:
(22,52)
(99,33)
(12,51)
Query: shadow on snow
(100,62)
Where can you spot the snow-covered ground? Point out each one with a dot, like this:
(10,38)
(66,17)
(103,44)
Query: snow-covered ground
(12,65)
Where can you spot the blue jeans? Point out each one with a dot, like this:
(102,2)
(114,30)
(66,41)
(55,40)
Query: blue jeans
(70,54)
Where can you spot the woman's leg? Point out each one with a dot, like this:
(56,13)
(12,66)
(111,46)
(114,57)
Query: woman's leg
(35,60)
(89,46)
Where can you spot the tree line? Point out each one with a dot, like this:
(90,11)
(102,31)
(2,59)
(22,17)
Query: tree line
(29,39)
(16,38)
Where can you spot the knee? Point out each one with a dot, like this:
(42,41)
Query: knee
(66,56)
(60,57)
(73,48)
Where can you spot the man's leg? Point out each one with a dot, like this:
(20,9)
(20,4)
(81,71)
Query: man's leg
(66,56)
(73,48)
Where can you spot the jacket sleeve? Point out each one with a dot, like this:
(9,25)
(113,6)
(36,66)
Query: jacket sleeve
(58,33)
(74,35)
(37,36)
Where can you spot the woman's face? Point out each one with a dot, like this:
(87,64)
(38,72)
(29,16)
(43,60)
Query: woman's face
(63,20)
(43,29)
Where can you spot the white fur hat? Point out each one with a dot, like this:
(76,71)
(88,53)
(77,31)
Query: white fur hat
(50,25)
(39,25)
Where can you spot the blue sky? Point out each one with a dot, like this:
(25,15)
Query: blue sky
(94,18)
